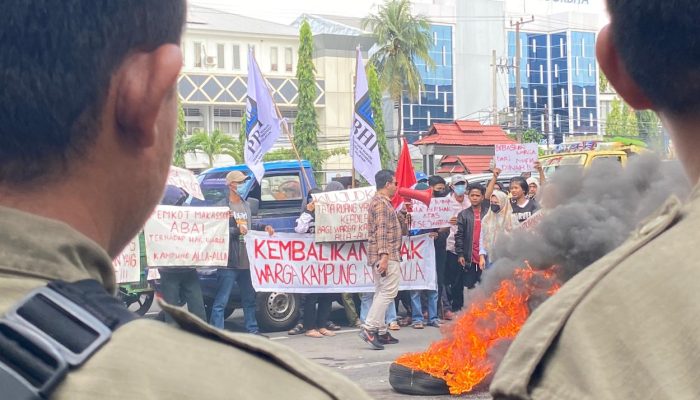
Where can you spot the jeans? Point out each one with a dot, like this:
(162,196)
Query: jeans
(416,306)
(180,286)
(366,302)
(224,285)
(385,290)
(454,281)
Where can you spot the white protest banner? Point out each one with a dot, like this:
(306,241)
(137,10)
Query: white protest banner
(262,123)
(517,157)
(185,180)
(364,147)
(436,216)
(534,220)
(342,215)
(127,265)
(294,263)
(187,236)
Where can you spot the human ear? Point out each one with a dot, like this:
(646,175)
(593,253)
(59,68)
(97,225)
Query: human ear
(144,82)
(616,72)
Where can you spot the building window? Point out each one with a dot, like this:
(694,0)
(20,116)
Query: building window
(590,119)
(583,47)
(198,54)
(444,56)
(534,46)
(577,64)
(563,97)
(444,104)
(529,120)
(541,74)
(534,95)
(590,69)
(428,112)
(273,59)
(558,120)
(527,69)
(436,91)
(556,70)
(584,97)
(410,114)
(288,59)
(578,116)
(236,56)
(434,38)
(219,56)
(561,47)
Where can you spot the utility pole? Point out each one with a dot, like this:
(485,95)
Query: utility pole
(518,85)
(494,92)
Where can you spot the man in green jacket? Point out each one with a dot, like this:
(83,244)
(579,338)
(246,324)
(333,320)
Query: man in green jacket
(626,327)
(89,110)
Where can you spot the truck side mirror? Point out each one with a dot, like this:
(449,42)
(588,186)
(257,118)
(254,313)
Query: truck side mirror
(254,205)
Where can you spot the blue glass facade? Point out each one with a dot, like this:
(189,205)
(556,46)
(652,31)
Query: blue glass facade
(436,102)
(559,70)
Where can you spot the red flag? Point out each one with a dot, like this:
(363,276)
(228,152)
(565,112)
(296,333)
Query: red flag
(405,176)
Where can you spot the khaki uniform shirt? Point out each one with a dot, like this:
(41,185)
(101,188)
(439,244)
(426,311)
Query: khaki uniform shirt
(626,327)
(148,359)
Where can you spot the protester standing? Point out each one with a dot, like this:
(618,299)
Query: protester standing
(498,220)
(523,206)
(453,271)
(237,267)
(467,239)
(386,227)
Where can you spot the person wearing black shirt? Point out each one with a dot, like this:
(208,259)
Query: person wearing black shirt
(523,207)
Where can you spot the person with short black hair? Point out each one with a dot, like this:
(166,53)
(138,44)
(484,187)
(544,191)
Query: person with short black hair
(625,327)
(89,112)
(523,206)
(386,228)
(468,273)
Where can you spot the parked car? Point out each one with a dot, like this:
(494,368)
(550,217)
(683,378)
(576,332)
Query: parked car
(277,200)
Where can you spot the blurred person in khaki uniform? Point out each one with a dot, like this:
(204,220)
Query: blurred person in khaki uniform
(89,104)
(626,327)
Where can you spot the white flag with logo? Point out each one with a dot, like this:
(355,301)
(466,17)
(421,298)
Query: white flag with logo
(364,147)
(262,122)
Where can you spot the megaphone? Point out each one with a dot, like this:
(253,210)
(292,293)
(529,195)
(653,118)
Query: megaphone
(424,196)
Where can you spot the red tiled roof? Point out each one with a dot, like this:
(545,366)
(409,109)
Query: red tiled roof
(465,133)
(474,164)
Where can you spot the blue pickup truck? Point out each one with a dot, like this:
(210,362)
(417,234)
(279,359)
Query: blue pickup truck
(279,199)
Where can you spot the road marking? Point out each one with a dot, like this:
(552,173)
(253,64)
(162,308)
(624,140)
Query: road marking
(365,365)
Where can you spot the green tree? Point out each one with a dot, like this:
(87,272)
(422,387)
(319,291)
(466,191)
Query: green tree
(179,153)
(212,144)
(532,136)
(622,120)
(648,124)
(603,83)
(401,37)
(375,95)
(280,154)
(238,149)
(306,125)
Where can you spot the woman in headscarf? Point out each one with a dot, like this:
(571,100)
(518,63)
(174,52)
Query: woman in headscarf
(499,219)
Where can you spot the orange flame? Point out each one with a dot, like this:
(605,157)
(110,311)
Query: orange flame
(461,358)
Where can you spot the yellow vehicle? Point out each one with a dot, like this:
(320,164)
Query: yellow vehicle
(583,159)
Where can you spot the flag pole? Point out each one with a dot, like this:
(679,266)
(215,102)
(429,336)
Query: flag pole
(352,119)
(286,129)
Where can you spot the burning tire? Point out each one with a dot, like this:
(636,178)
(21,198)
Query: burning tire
(410,381)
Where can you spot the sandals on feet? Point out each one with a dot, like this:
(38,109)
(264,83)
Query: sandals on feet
(297,330)
(313,333)
(326,332)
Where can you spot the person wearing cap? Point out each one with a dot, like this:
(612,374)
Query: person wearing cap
(237,267)
(421,177)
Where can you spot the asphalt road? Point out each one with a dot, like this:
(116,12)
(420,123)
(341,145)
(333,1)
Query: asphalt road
(349,355)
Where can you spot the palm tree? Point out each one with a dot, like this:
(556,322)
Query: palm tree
(213,144)
(401,38)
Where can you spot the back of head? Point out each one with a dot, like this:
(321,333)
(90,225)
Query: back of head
(334,186)
(658,43)
(56,62)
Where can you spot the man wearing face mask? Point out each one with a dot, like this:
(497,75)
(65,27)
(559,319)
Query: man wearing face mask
(435,306)
(458,202)
(237,267)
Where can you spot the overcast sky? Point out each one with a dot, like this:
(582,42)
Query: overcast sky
(286,11)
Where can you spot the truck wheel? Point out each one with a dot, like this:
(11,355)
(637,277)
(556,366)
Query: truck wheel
(138,303)
(277,311)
